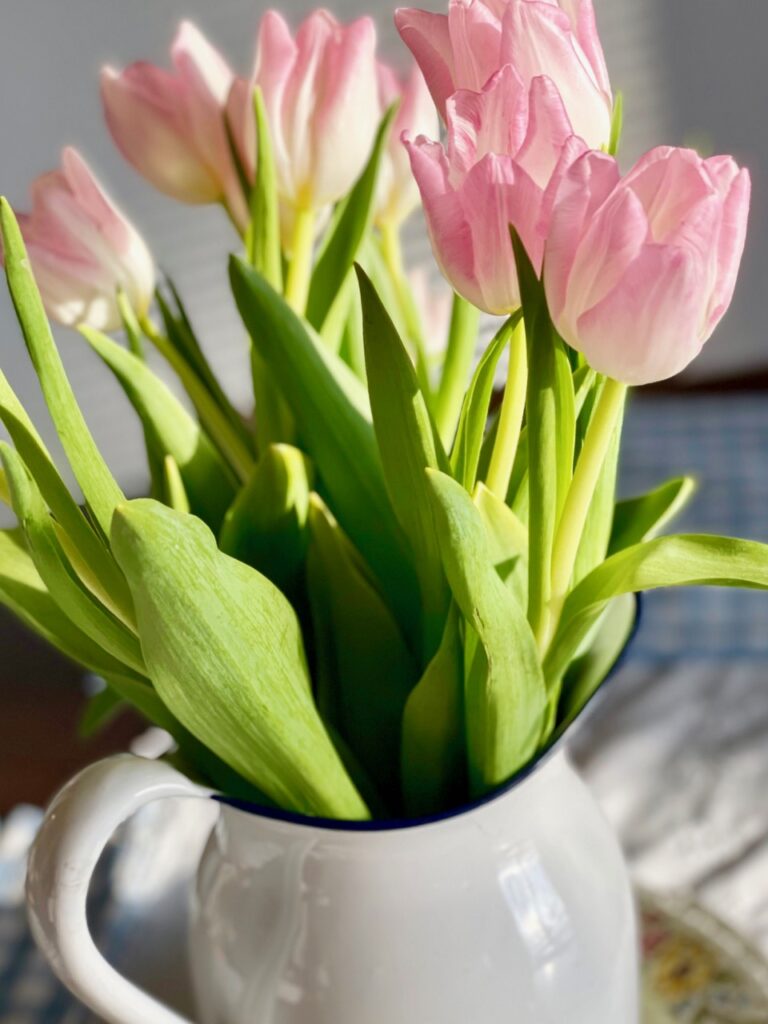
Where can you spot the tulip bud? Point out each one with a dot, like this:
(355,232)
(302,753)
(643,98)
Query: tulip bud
(170,125)
(639,271)
(398,194)
(83,250)
(557,38)
(507,148)
(321,96)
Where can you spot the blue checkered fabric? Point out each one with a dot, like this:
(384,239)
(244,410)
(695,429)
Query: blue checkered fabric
(721,440)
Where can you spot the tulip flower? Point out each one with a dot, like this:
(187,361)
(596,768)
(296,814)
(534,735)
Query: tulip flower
(557,38)
(321,95)
(639,271)
(83,250)
(398,191)
(507,148)
(170,125)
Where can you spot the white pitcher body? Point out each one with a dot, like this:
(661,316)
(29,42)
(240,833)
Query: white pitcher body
(518,909)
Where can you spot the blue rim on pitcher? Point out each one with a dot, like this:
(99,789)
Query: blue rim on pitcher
(400,824)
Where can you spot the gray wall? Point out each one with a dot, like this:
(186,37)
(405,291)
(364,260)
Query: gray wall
(692,70)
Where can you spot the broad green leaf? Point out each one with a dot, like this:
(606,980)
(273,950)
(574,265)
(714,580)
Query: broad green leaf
(505,691)
(508,542)
(544,477)
(101,709)
(131,327)
(366,671)
(473,420)
(434,752)
(56,572)
(643,518)
(224,651)
(665,562)
(98,485)
(353,337)
(589,670)
(352,223)
(266,527)
(170,430)
(408,443)
(25,595)
(175,492)
(332,413)
(597,529)
(94,560)
(263,240)
(5,494)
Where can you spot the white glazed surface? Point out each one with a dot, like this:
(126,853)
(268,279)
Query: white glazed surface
(519,910)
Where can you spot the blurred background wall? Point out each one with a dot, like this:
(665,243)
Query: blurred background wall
(692,71)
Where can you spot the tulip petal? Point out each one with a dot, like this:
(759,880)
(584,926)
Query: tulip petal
(492,121)
(645,329)
(730,246)
(547,132)
(475,31)
(428,38)
(584,23)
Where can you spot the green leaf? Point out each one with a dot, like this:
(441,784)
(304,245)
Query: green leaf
(643,518)
(408,443)
(56,572)
(266,527)
(263,240)
(131,326)
(224,652)
(101,709)
(434,753)
(459,356)
(508,542)
(332,413)
(665,562)
(545,479)
(175,492)
(465,455)
(88,549)
(589,670)
(170,430)
(565,419)
(5,494)
(25,595)
(505,691)
(98,485)
(366,672)
(352,223)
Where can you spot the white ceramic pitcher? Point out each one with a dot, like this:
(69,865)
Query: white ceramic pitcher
(517,910)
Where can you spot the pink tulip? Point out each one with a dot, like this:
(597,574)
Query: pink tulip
(557,38)
(507,148)
(170,125)
(398,192)
(321,95)
(83,250)
(639,271)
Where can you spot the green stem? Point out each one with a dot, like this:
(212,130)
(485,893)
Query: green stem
(585,479)
(462,341)
(511,417)
(392,251)
(300,268)
(215,422)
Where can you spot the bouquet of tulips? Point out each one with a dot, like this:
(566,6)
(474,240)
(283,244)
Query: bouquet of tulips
(383,592)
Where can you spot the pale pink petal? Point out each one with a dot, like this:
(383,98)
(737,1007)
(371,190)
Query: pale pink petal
(143,107)
(582,17)
(346,113)
(583,189)
(475,32)
(730,246)
(670,183)
(494,120)
(276,54)
(537,39)
(195,58)
(242,124)
(428,38)
(645,329)
(548,131)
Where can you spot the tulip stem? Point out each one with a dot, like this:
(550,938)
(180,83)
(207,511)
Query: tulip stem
(300,267)
(392,250)
(585,478)
(462,341)
(512,412)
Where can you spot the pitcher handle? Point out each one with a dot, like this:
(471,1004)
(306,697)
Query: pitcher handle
(76,828)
